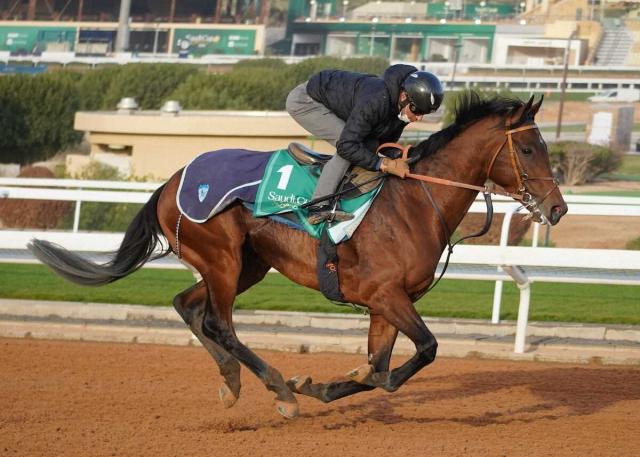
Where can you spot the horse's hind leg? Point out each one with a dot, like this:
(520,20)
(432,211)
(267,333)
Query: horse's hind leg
(382,337)
(191,305)
(217,325)
(224,279)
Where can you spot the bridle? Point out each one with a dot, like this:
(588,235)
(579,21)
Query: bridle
(522,177)
(522,194)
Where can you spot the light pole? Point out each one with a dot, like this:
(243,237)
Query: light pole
(122,36)
(155,39)
(345,3)
(564,83)
(480,11)
(374,21)
(456,52)
(313,10)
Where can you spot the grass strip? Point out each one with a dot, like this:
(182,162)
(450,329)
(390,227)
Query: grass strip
(452,298)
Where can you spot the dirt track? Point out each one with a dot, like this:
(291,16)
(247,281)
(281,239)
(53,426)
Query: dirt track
(91,399)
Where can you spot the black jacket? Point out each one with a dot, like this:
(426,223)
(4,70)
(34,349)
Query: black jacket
(368,105)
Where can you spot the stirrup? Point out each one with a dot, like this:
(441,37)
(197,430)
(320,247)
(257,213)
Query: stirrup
(317,217)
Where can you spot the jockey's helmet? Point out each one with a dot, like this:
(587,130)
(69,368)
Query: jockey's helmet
(424,92)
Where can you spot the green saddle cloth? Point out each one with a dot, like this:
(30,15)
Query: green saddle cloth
(287,185)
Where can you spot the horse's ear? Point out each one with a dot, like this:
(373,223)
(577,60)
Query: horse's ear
(526,111)
(536,107)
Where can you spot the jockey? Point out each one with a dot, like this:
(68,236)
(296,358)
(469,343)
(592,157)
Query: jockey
(356,113)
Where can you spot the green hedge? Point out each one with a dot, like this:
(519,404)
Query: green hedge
(36,116)
(37,112)
(261,84)
(149,84)
(97,216)
(633,244)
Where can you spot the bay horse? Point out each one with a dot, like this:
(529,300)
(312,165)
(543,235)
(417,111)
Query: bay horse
(387,265)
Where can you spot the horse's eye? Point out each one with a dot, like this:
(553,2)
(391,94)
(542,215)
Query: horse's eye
(527,151)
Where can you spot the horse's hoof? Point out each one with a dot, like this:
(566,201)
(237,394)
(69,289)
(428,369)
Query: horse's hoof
(298,384)
(361,374)
(227,397)
(288,410)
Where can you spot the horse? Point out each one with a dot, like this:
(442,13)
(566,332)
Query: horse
(385,267)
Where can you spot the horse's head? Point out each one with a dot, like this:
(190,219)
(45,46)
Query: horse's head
(521,165)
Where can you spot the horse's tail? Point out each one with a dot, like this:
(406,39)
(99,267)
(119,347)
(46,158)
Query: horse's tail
(139,243)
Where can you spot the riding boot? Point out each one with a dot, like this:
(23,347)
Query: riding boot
(332,173)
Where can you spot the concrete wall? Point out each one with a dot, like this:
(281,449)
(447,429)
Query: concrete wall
(634,28)
(157,145)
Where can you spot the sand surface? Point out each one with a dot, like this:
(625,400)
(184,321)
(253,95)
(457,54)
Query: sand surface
(94,399)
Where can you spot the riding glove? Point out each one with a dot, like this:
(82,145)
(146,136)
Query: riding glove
(397,167)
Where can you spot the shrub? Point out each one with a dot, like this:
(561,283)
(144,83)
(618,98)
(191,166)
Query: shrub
(34,214)
(13,119)
(149,84)
(245,89)
(104,217)
(577,163)
(94,85)
(260,84)
(37,116)
(301,71)
(261,63)
(633,244)
(37,113)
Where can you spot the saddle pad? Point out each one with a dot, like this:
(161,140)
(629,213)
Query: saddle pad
(214,180)
(287,185)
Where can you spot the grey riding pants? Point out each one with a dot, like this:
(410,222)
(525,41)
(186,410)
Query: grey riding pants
(321,122)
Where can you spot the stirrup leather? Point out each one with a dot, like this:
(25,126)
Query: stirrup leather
(317,217)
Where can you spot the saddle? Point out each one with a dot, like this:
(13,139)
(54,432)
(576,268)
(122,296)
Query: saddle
(357,175)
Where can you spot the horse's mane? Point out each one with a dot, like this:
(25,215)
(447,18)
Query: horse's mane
(470,108)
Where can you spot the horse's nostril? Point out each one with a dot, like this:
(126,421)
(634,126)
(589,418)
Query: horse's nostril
(556,213)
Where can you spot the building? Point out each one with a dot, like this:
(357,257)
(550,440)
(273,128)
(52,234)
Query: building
(186,29)
(531,33)
(55,39)
(412,33)
(157,143)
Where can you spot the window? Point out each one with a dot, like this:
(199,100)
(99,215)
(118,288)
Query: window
(306,49)
(407,48)
(341,45)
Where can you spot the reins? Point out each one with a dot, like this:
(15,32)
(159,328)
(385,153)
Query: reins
(522,195)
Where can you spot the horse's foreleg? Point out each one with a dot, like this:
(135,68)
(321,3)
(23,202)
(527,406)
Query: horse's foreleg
(382,336)
(403,316)
(191,305)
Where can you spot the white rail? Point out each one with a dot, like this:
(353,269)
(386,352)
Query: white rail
(508,259)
